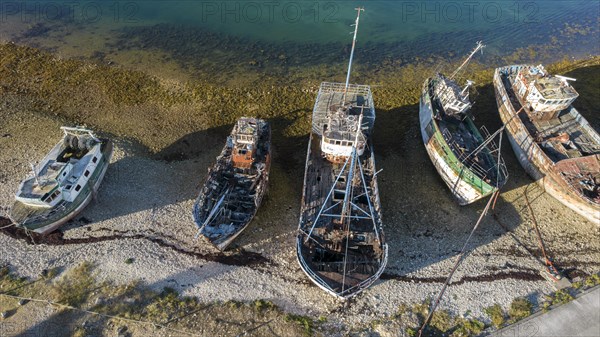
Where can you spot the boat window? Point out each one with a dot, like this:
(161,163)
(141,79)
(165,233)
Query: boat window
(94,160)
(87,173)
(429,129)
(53,196)
(542,101)
(68,187)
(77,188)
(64,173)
(337,142)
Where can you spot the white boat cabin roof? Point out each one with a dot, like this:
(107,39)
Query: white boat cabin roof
(548,86)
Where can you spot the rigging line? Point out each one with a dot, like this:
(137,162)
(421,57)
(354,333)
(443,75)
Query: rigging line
(326,198)
(348,219)
(369,198)
(12,224)
(492,136)
(350,192)
(461,258)
(498,163)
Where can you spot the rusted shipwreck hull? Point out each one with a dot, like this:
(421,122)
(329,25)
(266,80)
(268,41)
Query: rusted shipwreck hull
(561,152)
(340,242)
(236,184)
(469,174)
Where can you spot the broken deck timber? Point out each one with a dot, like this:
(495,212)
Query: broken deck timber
(555,145)
(236,184)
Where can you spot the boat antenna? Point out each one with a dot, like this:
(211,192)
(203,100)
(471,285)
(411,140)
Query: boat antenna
(35,174)
(358,10)
(479,46)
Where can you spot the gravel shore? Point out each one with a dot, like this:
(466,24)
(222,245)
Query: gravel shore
(143,212)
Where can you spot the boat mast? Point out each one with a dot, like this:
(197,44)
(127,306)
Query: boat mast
(35,174)
(358,10)
(477,48)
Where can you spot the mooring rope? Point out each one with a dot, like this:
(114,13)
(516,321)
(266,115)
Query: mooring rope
(461,257)
(12,224)
(554,274)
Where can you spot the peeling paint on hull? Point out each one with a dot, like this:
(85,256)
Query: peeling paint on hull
(454,177)
(533,159)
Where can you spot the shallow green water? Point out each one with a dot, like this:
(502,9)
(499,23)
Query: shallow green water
(278,37)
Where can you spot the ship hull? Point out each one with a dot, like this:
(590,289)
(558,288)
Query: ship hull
(532,158)
(328,249)
(72,209)
(323,280)
(464,184)
(242,192)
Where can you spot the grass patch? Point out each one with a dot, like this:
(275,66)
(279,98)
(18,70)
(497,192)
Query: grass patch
(468,327)
(262,305)
(305,322)
(10,282)
(496,314)
(519,308)
(561,297)
(442,321)
(75,286)
(592,281)
(129,260)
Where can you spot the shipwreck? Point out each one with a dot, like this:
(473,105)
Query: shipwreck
(469,164)
(340,241)
(236,184)
(63,183)
(555,145)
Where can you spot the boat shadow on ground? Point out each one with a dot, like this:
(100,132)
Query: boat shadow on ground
(176,173)
(143,182)
(423,224)
(278,214)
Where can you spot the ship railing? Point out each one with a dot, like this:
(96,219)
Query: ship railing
(349,291)
(358,89)
(469,162)
(47,216)
(320,110)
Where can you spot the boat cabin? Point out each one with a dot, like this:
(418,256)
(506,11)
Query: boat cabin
(454,99)
(547,95)
(340,133)
(245,138)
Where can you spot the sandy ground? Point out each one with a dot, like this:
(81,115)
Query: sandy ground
(143,211)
